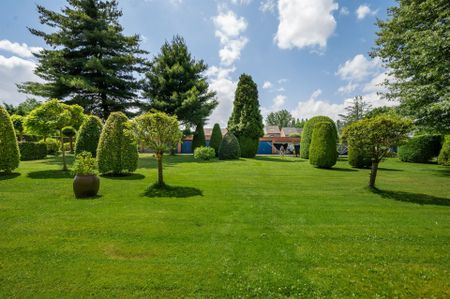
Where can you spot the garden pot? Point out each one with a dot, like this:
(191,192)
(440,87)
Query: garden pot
(85,185)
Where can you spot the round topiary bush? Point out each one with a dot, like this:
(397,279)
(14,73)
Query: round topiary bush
(323,150)
(216,139)
(229,148)
(117,149)
(420,149)
(308,128)
(249,146)
(198,138)
(89,135)
(444,155)
(9,149)
(204,153)
(359,157)
(32,151)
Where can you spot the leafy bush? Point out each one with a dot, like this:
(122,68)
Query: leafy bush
(420,149)
(9,149)
(117,149)
(229,148)
(323,150)
(216,139)
(84,164)
(249,146)
(17,121)
(359,157)
(444,155)
(198,138)
(89,135)
(32,151)
(204,153)
(52,145)
(308,131)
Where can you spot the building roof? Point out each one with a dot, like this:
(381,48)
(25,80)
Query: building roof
(271,130)
(287,131)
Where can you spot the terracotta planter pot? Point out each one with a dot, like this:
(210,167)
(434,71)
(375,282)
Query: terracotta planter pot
(85,185)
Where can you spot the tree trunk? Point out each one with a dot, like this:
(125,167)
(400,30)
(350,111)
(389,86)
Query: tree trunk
(373,174)
(71,144)
(63,152)
(159,157)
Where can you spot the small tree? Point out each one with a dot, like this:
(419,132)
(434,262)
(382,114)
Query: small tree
(9,149)
(88,136)
(378,134)
(281,119)
(308,131)
(357,110)
(198,138)
(216,139)
(160,132)
(229,148)
(69,132)
(117,148)
(323,151)
(444,155)
(17,121)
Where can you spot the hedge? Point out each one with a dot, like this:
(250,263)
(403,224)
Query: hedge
(216,139)
(89,136)
(308,131)
(420,149)
(444,155)
(53,145)
(229,148)
(32,151)
(9,149)
(204,153)
(359,157)
(323,150)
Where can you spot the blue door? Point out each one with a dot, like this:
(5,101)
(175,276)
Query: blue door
(265,148)
(186,147)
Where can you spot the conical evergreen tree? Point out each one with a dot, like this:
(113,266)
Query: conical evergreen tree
(89,135)
(89,61)
(216,139)
(246,122)
(198,139)
(9,149)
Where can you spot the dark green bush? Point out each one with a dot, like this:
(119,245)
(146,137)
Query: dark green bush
(117,149)
(229,148)
(249,146)
(89,135)
(9,150)
(53,146)
(32,151)
(216,139)
(198,138)
(204,153)
(444,155)
(359,157)
(420,149)
(305,142)
(323,150)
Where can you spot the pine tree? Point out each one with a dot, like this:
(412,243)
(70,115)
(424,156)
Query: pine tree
(176,84)
(216,139)
(357,110)
(89,61)
(246,122)
(9,149)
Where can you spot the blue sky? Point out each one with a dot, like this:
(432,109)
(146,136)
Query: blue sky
(307,56)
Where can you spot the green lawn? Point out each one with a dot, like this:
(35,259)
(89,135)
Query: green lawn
(267,227)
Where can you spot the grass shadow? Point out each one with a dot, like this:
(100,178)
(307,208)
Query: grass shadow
(172,191)
(422,199)
(124,177)
(50,174)
(389,169)
(442,172)
(339,169)
(279,159)
(8,176)
(89,198)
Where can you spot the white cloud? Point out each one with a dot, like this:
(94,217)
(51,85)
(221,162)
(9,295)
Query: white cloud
(228,29)
(267,85)
(278,102)
(22,50)
(344,11)
(364,10)
(314,106)
(305,23)
(346,89)
(358,68)
(241,2)
(267,5)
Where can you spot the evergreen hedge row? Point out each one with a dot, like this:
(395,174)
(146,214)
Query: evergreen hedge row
(420,149)
(32,151)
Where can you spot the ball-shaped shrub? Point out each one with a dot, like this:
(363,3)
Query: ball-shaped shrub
(117,149)
(204,153)
(323,150)
(229,148)
(308,129)
(216,139)
(359,156)
(32,151)
(9,149)
(444,155)
(53,145)
(420,149)
(249,146)
(69,131)
(89,135)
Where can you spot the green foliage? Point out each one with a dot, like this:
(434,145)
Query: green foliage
(32,151)
(198,137)
(216,139)
(295,135)
(444,155)
(248,146)
(84,164)
(89,136)
(23,108)
(308,131)
(17,121)
(359,157)
(69,131)
(176,84)
(88,60)
(246,120)
(281,119)
(9,150)
(323,150)
(229,147)
(420,149)
(52,146)
(413,44)
(204,153)
(117,149)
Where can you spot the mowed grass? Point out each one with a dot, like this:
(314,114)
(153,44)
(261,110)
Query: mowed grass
(267,227)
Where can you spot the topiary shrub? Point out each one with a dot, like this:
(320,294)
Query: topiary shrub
(359,157)
(32,151)
(204,153)
(216,139)
(444,155)
(88,136)
(249,146)
(198,138)
(323,150)
(308,131)
(52,145)
(229,148)
(9,149)
(420,149)
(117,149)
